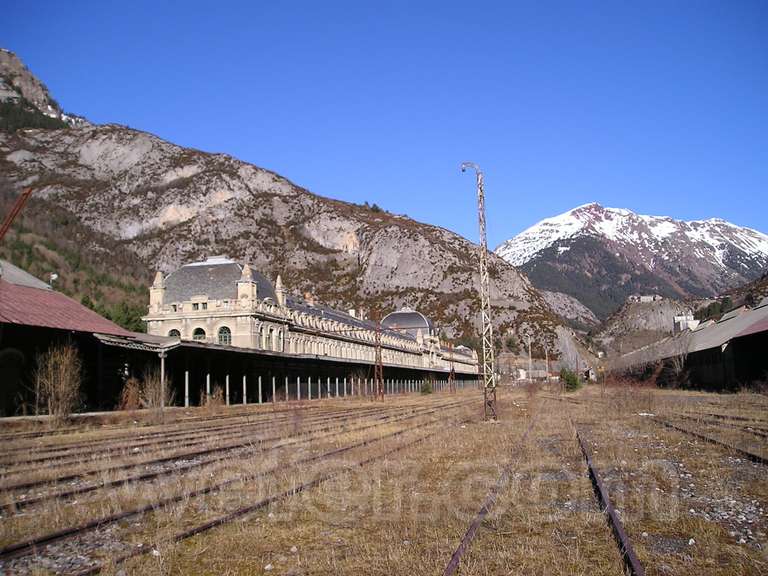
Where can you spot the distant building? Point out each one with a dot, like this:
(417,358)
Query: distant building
(684,322)
(644,298)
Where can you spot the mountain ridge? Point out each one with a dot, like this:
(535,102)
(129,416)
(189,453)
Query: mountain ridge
(165,204)
(602,255)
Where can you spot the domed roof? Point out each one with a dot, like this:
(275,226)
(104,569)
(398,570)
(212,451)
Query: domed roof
(216,277)
(408,321)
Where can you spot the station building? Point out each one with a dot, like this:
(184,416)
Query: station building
(225,303)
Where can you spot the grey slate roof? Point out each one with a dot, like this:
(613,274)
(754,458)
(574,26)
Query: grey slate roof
(16,275)
(321,311)
(216,277)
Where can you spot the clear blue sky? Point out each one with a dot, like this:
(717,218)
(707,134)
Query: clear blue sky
(660,107)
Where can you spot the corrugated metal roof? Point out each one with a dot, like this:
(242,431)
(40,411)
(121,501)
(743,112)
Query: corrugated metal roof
(16,275)
(730,326)
(47,308)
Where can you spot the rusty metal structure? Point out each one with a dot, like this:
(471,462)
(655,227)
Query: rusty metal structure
(378,368)
(489,364)
(17,206)
(452,373)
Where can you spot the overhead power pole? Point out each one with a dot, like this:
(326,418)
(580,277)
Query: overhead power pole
(378,370)
(489,367)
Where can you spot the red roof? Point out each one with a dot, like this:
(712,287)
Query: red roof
(50,309)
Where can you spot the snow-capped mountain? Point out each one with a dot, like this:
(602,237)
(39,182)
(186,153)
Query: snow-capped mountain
(601,255)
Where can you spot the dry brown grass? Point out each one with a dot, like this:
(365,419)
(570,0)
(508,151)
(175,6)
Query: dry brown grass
(406,513)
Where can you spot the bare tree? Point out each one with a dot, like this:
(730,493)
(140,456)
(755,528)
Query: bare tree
(57,380)
(679,358)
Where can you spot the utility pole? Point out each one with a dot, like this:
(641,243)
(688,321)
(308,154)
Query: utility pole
(489,368)
(378,369)
(530,362)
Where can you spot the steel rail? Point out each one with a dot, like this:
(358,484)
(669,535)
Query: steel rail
(201,452)
(170,431)
(108,449)
(246,440)
(31,545)
(630,559)
(315,434)
(745,428)
(232,411)
(488,504)
(735,417)
(746,453)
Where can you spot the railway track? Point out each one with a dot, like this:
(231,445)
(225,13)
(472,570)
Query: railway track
(488,503)
(746,428)
(161,443)
(628,556)
(631,562)
(37,545)
(46,451)
(316,418)
(223,455)
(223,414)
(745,453)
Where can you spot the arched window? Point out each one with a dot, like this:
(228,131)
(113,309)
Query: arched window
(198,334)
(225,336)
(174,334)
(268,342)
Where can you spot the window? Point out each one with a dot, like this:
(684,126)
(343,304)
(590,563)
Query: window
(198,335)
(205,305)
(268,343)
(174,334)
(195,306)
(225,336)
(174,307)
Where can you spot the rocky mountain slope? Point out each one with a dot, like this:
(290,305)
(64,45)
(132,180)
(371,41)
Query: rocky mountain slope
(602,255)
(571,310)
(23,93)
(142,198)
(637,324)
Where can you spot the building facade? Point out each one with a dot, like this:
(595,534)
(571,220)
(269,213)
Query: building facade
(225,303)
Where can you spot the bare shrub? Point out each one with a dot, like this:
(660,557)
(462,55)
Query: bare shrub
(152,390)
(145,393)
(130,397)
(57,380)
(216,398)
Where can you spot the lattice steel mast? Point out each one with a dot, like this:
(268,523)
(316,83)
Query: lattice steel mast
(378,370)
(489,368)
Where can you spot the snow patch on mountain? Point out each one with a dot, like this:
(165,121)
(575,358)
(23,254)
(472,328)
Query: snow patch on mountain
(652,236)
